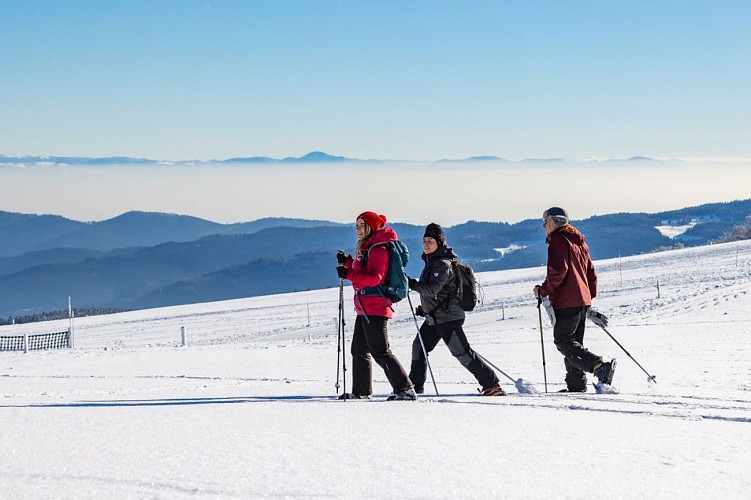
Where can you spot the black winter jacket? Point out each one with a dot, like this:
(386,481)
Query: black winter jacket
(437,289)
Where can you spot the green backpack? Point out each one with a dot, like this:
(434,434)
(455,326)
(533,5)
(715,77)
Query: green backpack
(395,286)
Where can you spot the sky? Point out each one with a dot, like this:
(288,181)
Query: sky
(247,408)
(419,80)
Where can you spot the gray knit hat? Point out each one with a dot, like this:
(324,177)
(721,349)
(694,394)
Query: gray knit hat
(558,215)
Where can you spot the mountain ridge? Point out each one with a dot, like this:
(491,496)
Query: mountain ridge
(313,157)
(294,257)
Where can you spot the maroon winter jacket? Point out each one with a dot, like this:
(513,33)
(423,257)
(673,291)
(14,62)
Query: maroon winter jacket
(375,273)
(571,279)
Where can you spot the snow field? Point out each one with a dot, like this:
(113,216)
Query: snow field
(247,409)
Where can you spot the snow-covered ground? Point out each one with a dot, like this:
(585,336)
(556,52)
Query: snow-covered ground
(248,410)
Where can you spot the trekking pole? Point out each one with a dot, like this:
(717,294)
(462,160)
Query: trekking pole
(650,378)
(523,386)
(542,344)
(422,344)
(344,339)
(339,335)
(496,368)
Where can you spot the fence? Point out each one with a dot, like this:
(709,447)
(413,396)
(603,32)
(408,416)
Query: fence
(56,340)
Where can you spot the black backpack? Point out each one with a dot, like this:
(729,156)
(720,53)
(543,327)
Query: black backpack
(466,285)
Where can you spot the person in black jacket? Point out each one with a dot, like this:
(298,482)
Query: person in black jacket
(444,317)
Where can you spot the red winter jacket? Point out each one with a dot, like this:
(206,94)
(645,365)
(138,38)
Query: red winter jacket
(571,279)
(374,274)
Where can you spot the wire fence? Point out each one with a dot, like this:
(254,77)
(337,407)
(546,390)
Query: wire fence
(55,340)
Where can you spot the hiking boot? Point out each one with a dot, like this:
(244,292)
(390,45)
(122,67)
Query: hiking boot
(349,395)
(405,395)
(495,390)
(419,390)
(604,372)
(573,390)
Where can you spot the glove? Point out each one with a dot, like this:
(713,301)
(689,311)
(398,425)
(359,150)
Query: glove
(419,312)
(341,257)
(597,318)
(342,272)
(412,282)
(549,309)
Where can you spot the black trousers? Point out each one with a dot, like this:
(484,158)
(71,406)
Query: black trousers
(372,339)
(453,336)
(568,335)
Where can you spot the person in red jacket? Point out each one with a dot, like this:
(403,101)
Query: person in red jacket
(366,269)
(570,285)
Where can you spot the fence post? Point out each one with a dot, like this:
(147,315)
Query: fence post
(658,289)
(71,333)
(182,335)
(25,343)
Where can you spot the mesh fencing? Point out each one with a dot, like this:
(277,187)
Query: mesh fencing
(57,340)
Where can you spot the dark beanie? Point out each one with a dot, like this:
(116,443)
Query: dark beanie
(434,231)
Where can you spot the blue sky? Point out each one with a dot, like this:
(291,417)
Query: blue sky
(209,79)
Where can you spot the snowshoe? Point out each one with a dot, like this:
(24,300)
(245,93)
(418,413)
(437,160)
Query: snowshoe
(605,371)
(601,388)
(349,395)
(405,395)
(495,390)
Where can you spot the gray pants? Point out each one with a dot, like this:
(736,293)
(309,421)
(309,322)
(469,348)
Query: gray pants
(453,336)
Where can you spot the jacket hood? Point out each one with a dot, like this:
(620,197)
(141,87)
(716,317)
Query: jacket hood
(443,252)
(383,235)
(569,232)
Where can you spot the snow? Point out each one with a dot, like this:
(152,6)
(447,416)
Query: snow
(511,248)
(248,410)
(673,231)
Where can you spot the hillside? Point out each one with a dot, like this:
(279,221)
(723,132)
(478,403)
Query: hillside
(166,259)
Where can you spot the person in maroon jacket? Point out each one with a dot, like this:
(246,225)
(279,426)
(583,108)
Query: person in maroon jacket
(570,285)
(366,269)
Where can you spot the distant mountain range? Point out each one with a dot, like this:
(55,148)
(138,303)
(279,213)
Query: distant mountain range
(142,259)
(312,157)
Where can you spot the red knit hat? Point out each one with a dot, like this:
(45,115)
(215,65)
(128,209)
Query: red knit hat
(373,220)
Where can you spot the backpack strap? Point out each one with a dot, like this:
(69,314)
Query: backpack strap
(375,289)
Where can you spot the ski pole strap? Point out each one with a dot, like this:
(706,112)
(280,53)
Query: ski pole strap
(362,309)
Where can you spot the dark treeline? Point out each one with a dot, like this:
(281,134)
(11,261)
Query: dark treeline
(60,314)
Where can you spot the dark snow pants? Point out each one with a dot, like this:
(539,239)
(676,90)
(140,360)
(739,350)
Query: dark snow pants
(372,339)
(568,335)
(453,336)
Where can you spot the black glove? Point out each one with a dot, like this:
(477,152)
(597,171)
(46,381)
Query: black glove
(411,282)
(597,318)
(419,311)
(342,272)
(341,257)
